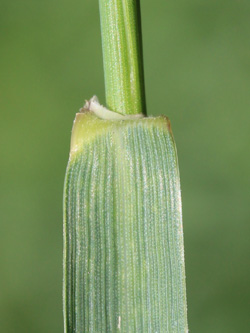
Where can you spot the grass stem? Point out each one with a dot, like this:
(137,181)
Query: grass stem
(122,56)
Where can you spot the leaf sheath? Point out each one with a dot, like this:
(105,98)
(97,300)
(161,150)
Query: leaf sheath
(123,238)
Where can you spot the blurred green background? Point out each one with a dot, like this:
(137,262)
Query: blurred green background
(197,70)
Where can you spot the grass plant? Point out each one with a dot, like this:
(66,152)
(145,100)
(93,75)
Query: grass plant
(123,238)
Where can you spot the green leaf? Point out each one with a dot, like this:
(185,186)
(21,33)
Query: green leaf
(123,237)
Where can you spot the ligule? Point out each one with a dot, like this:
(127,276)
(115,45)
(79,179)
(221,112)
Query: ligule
(123,238)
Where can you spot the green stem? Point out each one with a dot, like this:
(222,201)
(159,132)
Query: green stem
(122,56)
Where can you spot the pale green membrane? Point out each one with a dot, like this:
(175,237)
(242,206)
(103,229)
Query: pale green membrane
(123,238)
